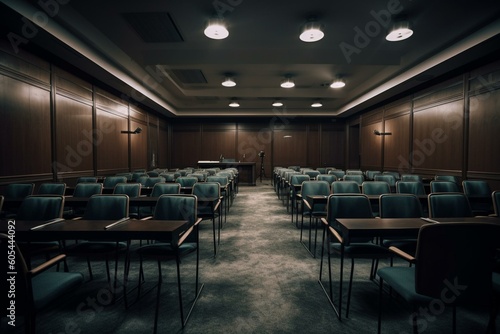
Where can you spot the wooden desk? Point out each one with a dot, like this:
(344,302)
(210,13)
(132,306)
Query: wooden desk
(246,170)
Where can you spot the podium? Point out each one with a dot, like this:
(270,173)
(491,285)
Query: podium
(246,170)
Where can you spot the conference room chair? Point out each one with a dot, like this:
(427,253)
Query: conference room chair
(137,175)
(52,188)
(338,173)
(479,194)
(19,190)
(312,173)
(209,206)
(347,206)
(83,190)
(172,207)
(411,178)
(158,190)
(396,175)
(354,172)
(132,190)
(111,181)
(153,173)
(285,184)
(86,179)
(200,176)
(43,208)
(450,178)
(321,170)
(345,187)
(36,289)
(375,188)
(400,206)
(495,196)
(127,175)
(101,207)
(389,178)
(326,177)
(187,183)
(295,194)
(315,210)
(231,185)
(440,186)
(152,180)
(370,174)
(358,178)
(223,182)
(170,177)
(410,187)
(449,205)
(447,259)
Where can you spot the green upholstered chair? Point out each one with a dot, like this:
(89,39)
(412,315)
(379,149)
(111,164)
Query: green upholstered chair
(101,207)
(210,210)
(112,181)
(450,266)
(450,178)
(345,187)
(19,190)
(410,187)
(131,190)
(389,178)
(370,174)
(52,188)
(479,194)
(373,188)
(223,181)
(314,210)
(86,179)
(173,207)
(326,177)
(449,205)
(82,190)
(338,173)
(347,206)
(295,190)
(186,181)
(358,178)
(152,180)
(441,186)
(411,178)
(37,288)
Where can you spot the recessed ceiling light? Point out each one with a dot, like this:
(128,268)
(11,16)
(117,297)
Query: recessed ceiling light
(312,32)
(338,83)
(216,29)
(228,82)
(234,104)
(316,104)
(399,31)
(287,83)
(277,103)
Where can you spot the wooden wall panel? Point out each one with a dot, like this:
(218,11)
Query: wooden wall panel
(290,148)
(163,146)
(371,145)
(484,127)
(397,145)
(186,146)
(74,137)
(438,138)
(313,147)
(216,142)
(250,143)
(112,146)
(333,143)
(26,130)
(139,158)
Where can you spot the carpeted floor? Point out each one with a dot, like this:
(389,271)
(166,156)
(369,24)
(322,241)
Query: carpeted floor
(262,281)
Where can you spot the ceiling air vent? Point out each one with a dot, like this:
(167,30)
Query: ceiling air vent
(189,76)
(154,27)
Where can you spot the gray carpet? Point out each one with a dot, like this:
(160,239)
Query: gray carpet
(262,281)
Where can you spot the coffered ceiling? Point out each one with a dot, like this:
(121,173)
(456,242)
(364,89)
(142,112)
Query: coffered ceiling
(156,50)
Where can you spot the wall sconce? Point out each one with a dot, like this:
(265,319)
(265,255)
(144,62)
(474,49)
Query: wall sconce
(136,131)
(378,133)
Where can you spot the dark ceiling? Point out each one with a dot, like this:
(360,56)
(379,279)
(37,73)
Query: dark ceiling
(156,50)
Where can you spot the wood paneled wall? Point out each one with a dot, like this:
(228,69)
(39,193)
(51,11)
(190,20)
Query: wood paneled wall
(447,128)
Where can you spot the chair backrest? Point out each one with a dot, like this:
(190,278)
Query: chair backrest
(400,206)
(344,187)
(220,179)
(52,188)
(370,174)
(200,176)
(389,178)
(186,181)
(348,206)
(358,178)
(137,175)
(297,179)
(112,207)
(456,260)
(206,189)
(338,173)
(375,188)
(87,189)
(495,196)
(177,207)
(111,181)
(410,187)
(152,173)
(411,177)
(438,186)
(129,189)
(450,178)
(354,172)
(41,207)
(449,205)
(321,170)
(170,177)
(19,190)
(86,179)
(165,188)
(393,173)
(151,181)
(326,177)
(314,187)
(479,188)
(312,173)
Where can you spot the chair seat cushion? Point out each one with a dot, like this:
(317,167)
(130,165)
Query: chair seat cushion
(402,280)
(165,250)
(49,286)
(362,249)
